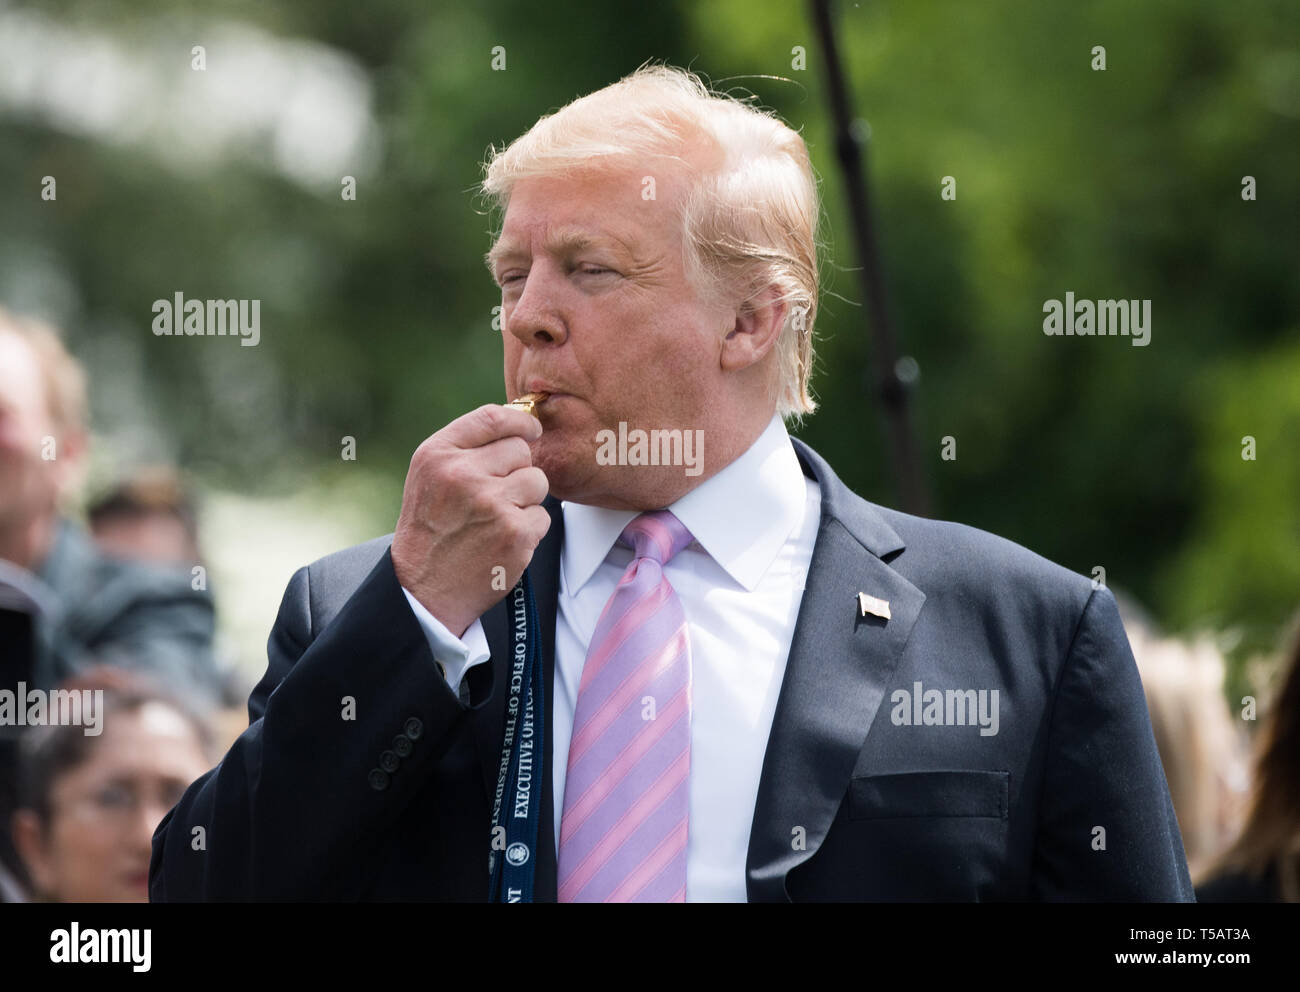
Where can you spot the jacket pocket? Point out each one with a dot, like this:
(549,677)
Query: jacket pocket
(927,794)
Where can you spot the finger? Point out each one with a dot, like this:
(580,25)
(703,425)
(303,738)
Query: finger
(503,456)
(537,521)
(489,423)
(525,487)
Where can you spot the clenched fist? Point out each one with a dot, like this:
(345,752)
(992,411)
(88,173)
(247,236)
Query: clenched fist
(472,501)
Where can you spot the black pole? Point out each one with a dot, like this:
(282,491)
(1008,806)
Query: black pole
(891,392)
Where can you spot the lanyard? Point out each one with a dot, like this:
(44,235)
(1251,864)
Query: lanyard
(514,827)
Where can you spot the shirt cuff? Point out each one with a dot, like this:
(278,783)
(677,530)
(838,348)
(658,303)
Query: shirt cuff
(456,655)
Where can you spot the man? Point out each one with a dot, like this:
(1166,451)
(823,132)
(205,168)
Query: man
(740,657)
(147,516)
(102,610)
(80,607)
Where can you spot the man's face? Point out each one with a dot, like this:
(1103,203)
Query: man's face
(28,483)
(597,310)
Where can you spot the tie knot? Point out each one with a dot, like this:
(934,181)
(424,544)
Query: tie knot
(658,535)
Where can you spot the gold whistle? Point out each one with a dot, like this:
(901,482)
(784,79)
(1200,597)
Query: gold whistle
(528,403)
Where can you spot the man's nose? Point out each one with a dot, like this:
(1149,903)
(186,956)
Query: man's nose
(537,317)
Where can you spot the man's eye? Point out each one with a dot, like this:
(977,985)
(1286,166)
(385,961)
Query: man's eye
(594,270)
(511,277)
(114,797)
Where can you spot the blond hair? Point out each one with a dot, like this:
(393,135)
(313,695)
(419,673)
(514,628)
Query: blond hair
(62,375)
(1270,838)
(1201,749)
(749,222)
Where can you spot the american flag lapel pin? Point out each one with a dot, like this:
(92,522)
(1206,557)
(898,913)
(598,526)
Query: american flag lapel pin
(870,605)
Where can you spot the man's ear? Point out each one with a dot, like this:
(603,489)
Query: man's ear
(755,330)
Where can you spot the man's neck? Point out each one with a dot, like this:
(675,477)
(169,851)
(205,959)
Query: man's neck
(26,543)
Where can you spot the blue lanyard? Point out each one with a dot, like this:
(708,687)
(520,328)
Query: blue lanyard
(516,807)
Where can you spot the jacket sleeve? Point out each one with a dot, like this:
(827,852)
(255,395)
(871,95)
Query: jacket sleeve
(1107,829)
(295,807)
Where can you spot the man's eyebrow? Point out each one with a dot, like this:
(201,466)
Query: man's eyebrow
(497,253)
(559,243)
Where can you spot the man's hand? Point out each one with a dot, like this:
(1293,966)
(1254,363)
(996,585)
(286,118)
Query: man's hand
(472,501)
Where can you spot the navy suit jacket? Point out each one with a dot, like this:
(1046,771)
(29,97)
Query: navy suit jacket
(857,801)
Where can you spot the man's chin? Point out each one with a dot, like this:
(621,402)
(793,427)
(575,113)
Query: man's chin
(574,475)
(612,487)
(564,459)
(565,480)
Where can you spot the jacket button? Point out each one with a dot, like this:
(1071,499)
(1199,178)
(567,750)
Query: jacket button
(402,746)
(413,728)
(378,779)
(389,762)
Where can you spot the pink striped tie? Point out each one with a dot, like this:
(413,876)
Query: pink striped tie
(627,790)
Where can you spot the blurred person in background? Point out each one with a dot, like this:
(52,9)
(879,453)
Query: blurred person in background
(117,612)
(1201,748)
(21,604)
(1264,863)
(73,606)
(148,516)
(88,805)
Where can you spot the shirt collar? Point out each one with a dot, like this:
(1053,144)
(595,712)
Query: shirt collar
(741,516)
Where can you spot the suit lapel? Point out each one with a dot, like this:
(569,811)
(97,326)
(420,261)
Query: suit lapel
(839,666)
(490,723)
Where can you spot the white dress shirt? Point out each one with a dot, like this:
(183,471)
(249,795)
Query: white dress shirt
(740,583)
